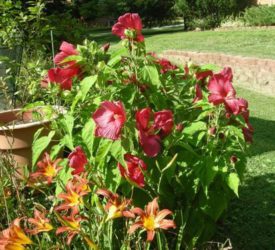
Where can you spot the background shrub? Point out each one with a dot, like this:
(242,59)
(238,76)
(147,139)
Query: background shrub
(210,12)
(260,16)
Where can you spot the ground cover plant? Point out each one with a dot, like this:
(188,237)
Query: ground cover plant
(151,147)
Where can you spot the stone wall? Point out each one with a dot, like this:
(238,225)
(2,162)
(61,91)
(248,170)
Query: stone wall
(252,73)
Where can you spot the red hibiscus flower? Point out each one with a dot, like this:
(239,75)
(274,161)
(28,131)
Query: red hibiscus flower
(78,160)
(150,143)
(202,75)
(227,72)
(166,65)
(163,122)
(62,77)
(220,88)
(150,134)
(109,118)
(67,50)
(129,23)
(133,173)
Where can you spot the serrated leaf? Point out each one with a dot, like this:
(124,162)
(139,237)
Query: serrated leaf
(40,145)
(233,182)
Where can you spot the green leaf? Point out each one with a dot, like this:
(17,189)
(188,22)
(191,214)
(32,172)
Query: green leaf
(116,56)
(68,124)
(39,145)
(64,176)
(150,74)
(188,148)
(88,135)
(67,141)
(86,84)
(118,152)
(194,127)
(214,204)
(233,182)
(56,149)
(103,150)
(113,178)
(206,172)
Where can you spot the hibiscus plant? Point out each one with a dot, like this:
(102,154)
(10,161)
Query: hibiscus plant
(149,153)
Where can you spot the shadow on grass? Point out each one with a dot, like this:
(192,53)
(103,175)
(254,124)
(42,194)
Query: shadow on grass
(103,36)
(264,137)
(250,223)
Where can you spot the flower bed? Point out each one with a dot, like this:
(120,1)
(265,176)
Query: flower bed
(152,147)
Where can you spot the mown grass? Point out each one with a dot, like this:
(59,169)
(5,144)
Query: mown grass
(250,223)
(246,42)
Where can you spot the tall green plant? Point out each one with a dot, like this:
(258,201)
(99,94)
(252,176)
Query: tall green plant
(140,133)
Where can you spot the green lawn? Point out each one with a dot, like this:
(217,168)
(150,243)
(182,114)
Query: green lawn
(250,223)
(247,42)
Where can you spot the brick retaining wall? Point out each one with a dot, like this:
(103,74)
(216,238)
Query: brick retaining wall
(253,73)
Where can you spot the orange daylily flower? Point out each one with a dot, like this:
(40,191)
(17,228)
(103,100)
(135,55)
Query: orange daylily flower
(46,169)
(115,207)
(75,190)
(40,223)
(71,225)
(151,219)
(14,238)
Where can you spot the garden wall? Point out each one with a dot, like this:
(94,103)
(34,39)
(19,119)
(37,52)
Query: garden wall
(253,73)
(270,2)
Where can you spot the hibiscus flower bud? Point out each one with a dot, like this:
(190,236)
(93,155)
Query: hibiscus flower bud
(228,115)
(179,127)
(106,47)
(221,136)
(212,131)
(233,159)
(143,87)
